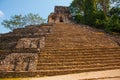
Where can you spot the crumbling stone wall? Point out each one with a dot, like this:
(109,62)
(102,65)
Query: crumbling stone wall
(31,43)
(19,62)
(61,15)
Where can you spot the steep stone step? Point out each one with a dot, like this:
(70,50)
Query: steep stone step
(63,35)
(77,59)
(54,52)
(62,60)
(66,46)
(53,63)
(80,53)
(85,53)
(64,40)
(112,65)
(76,70)
(97,52)
(42,73)
(79,56)
(84,49)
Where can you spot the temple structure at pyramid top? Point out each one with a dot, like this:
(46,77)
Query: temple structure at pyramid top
(61,14)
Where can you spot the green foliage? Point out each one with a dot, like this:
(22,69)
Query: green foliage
(33,19)
(114,11)
(99,19)
(81,11)
(97,13)
(19,21)
(89,11)
(77,6)
(78,18)
(113,24)
(77,10)
(16,21)
(103,5)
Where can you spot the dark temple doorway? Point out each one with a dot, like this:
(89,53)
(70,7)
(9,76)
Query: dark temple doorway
(61,19)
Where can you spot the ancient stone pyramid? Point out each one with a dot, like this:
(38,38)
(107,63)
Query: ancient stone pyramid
(57,49)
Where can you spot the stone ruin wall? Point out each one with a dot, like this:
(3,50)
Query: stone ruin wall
(61,15)
(19,62)
(31,43)
(23,61)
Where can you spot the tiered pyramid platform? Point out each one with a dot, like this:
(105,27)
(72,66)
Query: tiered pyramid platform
(72,48)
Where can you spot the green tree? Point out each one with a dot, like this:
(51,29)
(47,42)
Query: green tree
(77,6)
(16,21)
(112,24)
(103,5)
(89,11)
(114,11)
(19,21)
(83,8)
(98,13)
(33,19)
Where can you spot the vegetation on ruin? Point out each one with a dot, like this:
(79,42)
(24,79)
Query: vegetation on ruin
(97,13)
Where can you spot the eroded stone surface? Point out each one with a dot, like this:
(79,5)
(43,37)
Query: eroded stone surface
(22,62)
(31,43)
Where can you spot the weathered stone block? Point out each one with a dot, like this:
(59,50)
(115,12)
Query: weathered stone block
(19,62)
(31,43)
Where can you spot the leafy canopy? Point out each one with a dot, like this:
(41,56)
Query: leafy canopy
(19,21)
(104,14)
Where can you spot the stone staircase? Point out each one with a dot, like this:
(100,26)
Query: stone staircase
(75,36)
(72,49)
(78,60)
